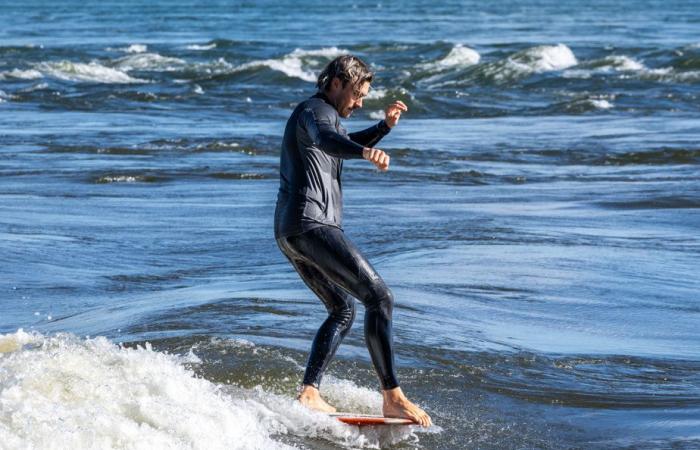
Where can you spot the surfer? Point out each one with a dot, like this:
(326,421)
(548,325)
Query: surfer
(308,228)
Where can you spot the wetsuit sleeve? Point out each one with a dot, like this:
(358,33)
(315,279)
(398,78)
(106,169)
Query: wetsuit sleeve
(321,130)
(372,135)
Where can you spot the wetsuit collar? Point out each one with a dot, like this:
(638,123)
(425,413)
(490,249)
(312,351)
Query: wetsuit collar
(321,95)
(324,97)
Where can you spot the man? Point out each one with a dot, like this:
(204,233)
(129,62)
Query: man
(309,232)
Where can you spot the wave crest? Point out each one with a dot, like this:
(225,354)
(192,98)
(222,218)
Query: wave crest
(30,74)
(92,72)
(149,61)
(630,68)
(296,64)
(137,397)
(132,397)
(201,47)
(542,58)
(459,56)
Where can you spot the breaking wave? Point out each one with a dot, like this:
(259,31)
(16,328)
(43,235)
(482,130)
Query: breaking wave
(543,58)
(459,56)
(92,393)
(631,68)
(298,63)
(92,72)
(149,61)
(201,47)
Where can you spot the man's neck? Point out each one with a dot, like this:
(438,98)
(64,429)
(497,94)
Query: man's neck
(326,98)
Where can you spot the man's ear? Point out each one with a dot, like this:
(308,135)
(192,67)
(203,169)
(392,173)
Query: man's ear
(336,83)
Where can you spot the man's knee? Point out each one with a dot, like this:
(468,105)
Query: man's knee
(345,315)
(381,298)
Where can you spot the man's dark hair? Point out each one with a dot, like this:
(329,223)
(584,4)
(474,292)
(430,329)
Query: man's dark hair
(346,68)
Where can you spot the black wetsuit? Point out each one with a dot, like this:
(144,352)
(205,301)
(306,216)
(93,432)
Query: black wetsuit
(308,229)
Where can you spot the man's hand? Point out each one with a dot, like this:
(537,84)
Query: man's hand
(393,112)
(378,157)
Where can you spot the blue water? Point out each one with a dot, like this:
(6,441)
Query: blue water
(538,225)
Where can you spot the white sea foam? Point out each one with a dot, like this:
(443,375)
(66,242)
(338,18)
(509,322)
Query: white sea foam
(326,52)
(119,179)
(198,89)
(577,73)
(459,56)
(612,63)
(587,103)
(292,67)
(62,391)
(30,74)
(149,61)
(91,72)
(36,87)
(201,47)
(300,421)
(630,68)
(377,115)
(601,103)
(94,394)
(543,58)
(4,96)
(220,65)
(376,94)
(693,75)
(133,48)
(347,396)
(293,64)
(618,63)
(668,74)
(136,48)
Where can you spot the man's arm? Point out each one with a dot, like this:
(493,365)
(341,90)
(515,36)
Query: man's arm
(321,130)
(372,135)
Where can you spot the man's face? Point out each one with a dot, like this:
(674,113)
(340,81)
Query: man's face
(349,98)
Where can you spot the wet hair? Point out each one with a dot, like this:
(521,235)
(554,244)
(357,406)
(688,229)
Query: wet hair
(346,68)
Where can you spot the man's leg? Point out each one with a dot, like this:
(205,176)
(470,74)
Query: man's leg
(341,314)
(338,260)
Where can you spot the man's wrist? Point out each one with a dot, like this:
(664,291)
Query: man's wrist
(384,126)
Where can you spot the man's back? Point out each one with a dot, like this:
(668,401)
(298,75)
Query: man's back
(310,192)
(313,147)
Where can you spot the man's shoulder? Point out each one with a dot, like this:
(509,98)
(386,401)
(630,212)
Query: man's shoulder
(319,107)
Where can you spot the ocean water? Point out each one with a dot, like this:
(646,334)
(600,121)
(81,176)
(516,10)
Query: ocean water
(538,225)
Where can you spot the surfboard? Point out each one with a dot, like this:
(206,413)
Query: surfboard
(369,419)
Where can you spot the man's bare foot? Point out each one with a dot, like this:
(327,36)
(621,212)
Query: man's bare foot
(397,405)
(311,398)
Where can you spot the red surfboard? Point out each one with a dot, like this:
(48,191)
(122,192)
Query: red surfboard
(370,419)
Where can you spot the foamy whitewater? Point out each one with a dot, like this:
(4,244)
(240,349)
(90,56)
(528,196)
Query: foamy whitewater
(292,64)
(92,72)
(67,392)
(543,58)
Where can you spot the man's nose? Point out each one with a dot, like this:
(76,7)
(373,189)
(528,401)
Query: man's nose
(358,103)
